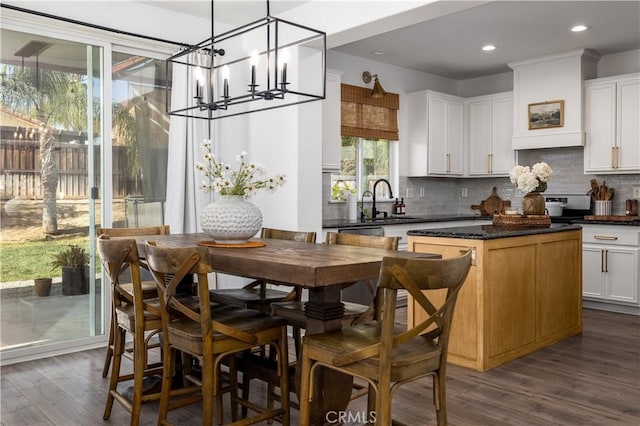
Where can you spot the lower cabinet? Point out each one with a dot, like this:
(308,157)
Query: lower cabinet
(610,266)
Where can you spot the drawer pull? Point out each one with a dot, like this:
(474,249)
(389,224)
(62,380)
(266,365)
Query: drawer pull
(606,260)
(602,254)
(605,237)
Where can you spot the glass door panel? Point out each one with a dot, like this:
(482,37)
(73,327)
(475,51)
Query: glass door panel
(51,121)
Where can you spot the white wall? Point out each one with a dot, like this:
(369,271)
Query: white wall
(619,63)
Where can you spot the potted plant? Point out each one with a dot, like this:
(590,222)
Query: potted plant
(74,261)
(42,286)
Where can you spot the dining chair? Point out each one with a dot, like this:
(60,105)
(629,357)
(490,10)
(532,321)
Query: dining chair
(209,336)
(385,355)
(148,286)
(132,314)
(256,295)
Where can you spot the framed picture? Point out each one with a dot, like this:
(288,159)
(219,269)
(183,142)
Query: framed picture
(544,115)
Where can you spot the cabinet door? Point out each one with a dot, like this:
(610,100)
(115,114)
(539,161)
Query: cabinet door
(600,127)
(621,268)
(455,138)
(437,134)
(331,140)
(480,137)
(592,271)
(628,126)
(502,154)
(417,134)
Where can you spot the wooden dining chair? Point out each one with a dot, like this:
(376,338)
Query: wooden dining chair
(148,286)
(209,336)
(133,314)
(256,295)
(385,355)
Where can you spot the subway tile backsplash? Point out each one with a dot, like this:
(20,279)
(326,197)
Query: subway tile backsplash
(444,195)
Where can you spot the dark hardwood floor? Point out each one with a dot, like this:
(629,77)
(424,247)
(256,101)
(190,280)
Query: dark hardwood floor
(590,379)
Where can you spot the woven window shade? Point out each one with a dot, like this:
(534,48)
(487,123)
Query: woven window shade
(366,117)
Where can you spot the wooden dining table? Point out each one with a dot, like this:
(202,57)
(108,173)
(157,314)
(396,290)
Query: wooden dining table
(322,269)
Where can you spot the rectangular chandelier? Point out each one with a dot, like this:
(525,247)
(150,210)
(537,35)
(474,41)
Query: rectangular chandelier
(266,64)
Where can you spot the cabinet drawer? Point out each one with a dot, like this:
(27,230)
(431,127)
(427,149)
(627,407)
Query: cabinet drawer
(611,235)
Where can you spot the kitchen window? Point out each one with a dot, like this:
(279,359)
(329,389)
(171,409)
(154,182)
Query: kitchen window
(363,161)
(369,127)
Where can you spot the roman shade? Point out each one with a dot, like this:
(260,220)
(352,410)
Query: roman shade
(366,117)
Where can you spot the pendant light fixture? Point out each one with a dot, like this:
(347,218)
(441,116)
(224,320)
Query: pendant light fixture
(377,91)
(266,64)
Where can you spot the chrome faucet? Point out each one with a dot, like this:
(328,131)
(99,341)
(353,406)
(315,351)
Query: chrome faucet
(362,217)
(374,212)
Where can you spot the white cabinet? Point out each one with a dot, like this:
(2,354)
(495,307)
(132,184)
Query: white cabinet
(610,263)
(612,124)
(435,134)
(331,139)
(489,134)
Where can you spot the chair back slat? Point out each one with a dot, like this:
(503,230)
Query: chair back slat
(134,232)
(373,241)
(282,234)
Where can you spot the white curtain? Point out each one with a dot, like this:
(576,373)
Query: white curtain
(185,201)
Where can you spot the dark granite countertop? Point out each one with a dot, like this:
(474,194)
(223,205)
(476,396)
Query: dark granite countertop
(490,232)
(401,220)
(607,222)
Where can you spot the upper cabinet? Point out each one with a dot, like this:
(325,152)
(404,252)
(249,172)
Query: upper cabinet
(612,111)
(331,140)
(435,134)
(490,130)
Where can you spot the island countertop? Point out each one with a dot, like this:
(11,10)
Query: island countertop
(490,232)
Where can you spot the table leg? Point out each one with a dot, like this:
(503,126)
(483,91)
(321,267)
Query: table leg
(332,389)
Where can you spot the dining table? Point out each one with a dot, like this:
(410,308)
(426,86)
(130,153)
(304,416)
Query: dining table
(322,269)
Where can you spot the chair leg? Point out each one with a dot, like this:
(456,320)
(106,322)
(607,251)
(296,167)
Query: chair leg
(305,408)
(109,355)
(209,387)
(439,399)
(246,386)
(139,364)
(371,399)
(284,377)
(233,386)
(383,402)
(168,370)
(118,349)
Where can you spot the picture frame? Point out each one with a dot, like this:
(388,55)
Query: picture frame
(546,115)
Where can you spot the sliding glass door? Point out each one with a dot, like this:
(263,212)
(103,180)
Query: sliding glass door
(52,129)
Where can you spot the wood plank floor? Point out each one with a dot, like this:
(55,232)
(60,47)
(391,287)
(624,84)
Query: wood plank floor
(591,379)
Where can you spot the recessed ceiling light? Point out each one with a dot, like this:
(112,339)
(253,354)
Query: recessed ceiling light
(579,28)
(489,47)
(378,52)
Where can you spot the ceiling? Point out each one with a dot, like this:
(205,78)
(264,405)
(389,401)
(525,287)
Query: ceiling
(450,46)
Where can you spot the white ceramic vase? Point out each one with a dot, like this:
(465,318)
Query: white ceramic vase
(231,220)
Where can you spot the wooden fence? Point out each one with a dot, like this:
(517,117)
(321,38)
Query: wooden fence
(20,171)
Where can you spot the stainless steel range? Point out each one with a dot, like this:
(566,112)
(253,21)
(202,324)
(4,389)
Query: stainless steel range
(573,206)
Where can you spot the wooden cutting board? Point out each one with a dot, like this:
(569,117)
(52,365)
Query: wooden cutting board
(493,204)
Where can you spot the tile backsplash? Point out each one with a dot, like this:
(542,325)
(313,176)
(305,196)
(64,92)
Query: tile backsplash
(444,195)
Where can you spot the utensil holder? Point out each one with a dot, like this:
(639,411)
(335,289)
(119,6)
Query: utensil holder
(603,208)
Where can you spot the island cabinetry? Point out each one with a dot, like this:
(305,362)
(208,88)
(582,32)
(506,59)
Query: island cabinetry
(611,266)
(612,107)
(435,134)
(522,293)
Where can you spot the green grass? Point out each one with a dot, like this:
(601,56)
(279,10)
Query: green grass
(32,259)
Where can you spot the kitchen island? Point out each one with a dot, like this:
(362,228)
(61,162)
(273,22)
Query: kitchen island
(523,292)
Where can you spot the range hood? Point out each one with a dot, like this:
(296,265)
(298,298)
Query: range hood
(551,79)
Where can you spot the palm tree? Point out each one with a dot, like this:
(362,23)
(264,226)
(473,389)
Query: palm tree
(54,98)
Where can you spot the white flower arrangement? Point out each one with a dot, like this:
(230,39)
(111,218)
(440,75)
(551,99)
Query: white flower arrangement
(245,181)
(532,179)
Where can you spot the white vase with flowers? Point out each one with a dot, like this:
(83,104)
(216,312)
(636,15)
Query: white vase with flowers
(233,219)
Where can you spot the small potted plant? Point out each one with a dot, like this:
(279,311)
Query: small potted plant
(73,261)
